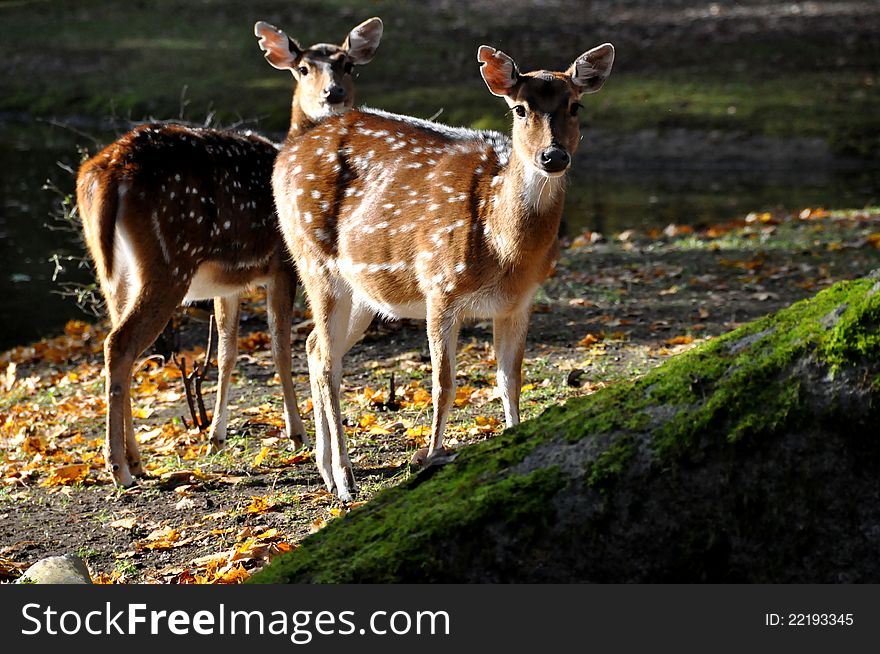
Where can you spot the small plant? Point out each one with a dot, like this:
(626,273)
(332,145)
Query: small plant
(86,553)
(125,568)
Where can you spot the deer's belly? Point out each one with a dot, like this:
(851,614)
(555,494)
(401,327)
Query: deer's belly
(212,281)
(398,300)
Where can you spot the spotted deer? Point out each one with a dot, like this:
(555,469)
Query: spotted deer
(400,217)
(173,214)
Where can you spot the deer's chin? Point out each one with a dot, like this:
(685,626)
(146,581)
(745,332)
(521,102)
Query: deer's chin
(552,174)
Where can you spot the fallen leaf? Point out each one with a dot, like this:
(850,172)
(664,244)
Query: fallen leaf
(484,425)
(591,339)
(302,457)
(259,505)
(124,523)
(264,452)
(9,376)
(418,435)
(66,475)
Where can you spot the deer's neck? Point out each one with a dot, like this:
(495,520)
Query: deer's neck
(299,121)
(524,212)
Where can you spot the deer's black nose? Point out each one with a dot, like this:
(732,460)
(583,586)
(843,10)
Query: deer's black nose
(554,159)
(334,94)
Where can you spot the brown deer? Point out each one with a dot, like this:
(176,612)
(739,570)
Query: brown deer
(401,217)
(174,214)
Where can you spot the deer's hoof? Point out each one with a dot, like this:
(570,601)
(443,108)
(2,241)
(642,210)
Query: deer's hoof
(424,458)
(215,445)
(298,440)
(345,486)
(122,478)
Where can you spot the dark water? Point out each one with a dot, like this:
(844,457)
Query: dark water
(602,200)
(29,304)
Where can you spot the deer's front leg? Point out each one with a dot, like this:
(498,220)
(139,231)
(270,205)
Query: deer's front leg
(509,333)
(331,316)
(443,327)
(323,455)
(227,311)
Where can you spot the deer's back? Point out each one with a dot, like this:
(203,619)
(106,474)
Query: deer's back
(203,195)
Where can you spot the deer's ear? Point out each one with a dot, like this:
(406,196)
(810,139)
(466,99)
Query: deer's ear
(362,41)
(498,70)
(589,71)
(280,50)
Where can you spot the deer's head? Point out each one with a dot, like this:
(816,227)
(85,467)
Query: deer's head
(323,71)
(545,104)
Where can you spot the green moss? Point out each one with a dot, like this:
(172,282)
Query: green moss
(611,462)
(857,332)
(740,385)
(381,545)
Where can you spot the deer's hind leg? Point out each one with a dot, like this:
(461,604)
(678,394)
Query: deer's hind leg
(137,328)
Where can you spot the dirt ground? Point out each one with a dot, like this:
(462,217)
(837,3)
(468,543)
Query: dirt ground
(616,307)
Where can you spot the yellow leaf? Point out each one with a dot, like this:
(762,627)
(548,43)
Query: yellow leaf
(591,339)
(463,395)
(142,412)
(369,396)
(417,398)
(484,425)
(679,340)
(160,539)
(76,328)
(254,341)
(261,456)
(268,534)
(66,475)
(235,575)
(302,457)
(259,505)
(418,435)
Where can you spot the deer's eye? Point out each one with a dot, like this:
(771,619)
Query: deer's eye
(573,109)
(303,71)
(520,111)
(348,67)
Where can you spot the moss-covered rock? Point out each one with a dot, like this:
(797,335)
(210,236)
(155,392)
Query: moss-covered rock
(752,458)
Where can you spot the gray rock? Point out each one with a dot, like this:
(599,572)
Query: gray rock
(67,569)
